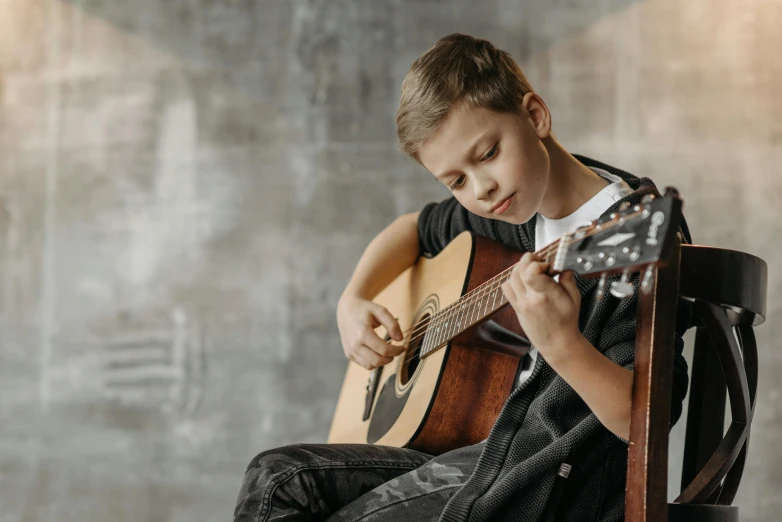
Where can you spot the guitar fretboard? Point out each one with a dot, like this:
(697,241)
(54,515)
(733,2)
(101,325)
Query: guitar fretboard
(474,306)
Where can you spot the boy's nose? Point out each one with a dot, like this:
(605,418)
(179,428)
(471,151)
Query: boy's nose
(484,187)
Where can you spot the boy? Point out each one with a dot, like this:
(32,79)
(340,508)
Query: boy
(558,450)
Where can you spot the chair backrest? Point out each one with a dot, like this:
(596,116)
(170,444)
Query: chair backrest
(728,289)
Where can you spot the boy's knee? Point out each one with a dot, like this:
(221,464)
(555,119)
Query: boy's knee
(277,459)
(268,469)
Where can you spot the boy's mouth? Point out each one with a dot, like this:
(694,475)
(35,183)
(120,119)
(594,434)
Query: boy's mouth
(503,205)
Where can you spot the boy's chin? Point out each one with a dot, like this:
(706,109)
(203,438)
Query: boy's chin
(513,220)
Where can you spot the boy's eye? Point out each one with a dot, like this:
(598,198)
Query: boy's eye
(491,153)
(458,183)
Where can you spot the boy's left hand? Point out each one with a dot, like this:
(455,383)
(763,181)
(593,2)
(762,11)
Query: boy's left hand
(547,310)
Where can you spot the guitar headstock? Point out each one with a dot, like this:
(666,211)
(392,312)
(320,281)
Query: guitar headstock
(632,239)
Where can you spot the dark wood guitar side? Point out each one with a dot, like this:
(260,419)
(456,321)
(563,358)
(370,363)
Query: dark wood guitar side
(477,378)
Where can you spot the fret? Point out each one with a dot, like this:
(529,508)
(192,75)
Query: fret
(466,315)
(444,327)
(432,333)
(440,328)
(452,322)
(470,304)
(439,336)
(460,316)
(476,308)
(467,306)
(449,325)
(435,332)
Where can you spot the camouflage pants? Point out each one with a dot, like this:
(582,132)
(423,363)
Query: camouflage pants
(350,482)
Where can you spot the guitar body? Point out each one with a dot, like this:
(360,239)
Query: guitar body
(450,398)
(463,353)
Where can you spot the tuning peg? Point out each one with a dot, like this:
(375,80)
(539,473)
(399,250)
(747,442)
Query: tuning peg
(646,201)
(646,283)
(601,287)
(622,288)
(633,253)
(671,192)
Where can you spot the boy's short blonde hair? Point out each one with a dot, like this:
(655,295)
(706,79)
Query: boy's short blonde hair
(457,68)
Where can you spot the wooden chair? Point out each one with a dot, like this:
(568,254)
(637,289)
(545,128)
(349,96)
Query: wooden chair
(728,289)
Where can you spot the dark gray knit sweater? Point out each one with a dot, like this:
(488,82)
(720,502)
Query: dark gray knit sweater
(544,422)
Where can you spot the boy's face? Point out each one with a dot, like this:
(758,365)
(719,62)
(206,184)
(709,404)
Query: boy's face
(494,163)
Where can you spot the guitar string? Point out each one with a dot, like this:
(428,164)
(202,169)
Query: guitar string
(469,298)
(475,295)
(486,287)
(478,292)
(416,353)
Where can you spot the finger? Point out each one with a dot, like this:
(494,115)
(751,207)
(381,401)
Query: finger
(529,266)
(534,268)
(371,340)
(568,282)
(517,283)
(369,359)
(535,277)
(508,292)
(386,319)
(541,284)
(525,260)
(357,358)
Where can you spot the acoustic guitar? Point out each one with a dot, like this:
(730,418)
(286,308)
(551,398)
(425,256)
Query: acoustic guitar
(464,343)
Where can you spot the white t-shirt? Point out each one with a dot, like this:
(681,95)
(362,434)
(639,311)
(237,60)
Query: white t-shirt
(549,230)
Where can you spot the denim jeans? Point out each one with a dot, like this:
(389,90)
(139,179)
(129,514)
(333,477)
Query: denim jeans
(350,482)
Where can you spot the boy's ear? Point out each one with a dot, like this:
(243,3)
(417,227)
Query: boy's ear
(539,115)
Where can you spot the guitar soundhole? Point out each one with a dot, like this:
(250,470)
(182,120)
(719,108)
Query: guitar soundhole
(412,355)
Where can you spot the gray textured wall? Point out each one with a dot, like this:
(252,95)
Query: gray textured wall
(185,187)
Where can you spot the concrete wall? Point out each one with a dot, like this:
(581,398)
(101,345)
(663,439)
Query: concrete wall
(186,186)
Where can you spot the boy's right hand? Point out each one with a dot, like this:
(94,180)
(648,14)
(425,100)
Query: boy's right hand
(357,319)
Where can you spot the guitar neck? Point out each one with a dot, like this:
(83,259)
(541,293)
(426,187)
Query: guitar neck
(633,238)
(476,306)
